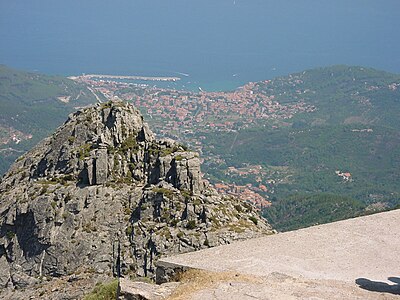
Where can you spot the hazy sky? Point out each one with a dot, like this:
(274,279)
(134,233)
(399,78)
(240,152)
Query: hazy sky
(254,38)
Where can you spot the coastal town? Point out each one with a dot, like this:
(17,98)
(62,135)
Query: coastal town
(188,116)
(179,112)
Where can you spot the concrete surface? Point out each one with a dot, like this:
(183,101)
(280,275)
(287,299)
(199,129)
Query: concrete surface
(330,256)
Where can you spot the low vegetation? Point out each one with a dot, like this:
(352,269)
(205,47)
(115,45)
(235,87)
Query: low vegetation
(195,280)
(107,291)
(164,191)
(300,211)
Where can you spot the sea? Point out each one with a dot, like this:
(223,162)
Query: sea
(213,45)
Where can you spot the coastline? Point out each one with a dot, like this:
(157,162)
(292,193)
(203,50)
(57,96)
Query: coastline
(125,77)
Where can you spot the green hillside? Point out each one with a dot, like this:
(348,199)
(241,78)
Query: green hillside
(354,129)
(31,107)
(341,94)
(300,211)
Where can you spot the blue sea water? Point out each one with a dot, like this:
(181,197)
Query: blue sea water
(220,44)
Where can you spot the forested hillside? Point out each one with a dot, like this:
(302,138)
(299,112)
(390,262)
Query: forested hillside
(349,146)
(31,107)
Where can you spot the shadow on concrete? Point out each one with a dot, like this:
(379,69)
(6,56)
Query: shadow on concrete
(382,287)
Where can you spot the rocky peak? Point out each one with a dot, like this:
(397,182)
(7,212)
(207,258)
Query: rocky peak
(103,177)
(110,143)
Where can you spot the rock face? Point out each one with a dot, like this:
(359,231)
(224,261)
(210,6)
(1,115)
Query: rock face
(103,177)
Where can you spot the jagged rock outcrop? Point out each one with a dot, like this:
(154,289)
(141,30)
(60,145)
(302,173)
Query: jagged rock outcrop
(103,177)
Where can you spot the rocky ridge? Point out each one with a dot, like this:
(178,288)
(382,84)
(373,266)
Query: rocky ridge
(103,179)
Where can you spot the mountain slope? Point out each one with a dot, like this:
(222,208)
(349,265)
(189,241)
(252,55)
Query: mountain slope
(31,107)
(353,129)
(341,94)
(103,179)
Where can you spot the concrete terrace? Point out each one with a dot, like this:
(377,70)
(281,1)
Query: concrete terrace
(328,261)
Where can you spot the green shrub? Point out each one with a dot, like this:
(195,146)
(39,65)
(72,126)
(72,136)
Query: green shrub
(84,150)
(191,224)
(106,291)
(127,211)
(166,192)
(178,157)
(168,151)
(174,222)
(197,202)
(238,208)
(187,194)
(184,147)
(129,230)
(129,143)
(71,140)
(253,219)
(10,235)
(106,105)
(68,177)
(44,190)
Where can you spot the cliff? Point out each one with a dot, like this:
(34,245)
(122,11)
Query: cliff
(103,179)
